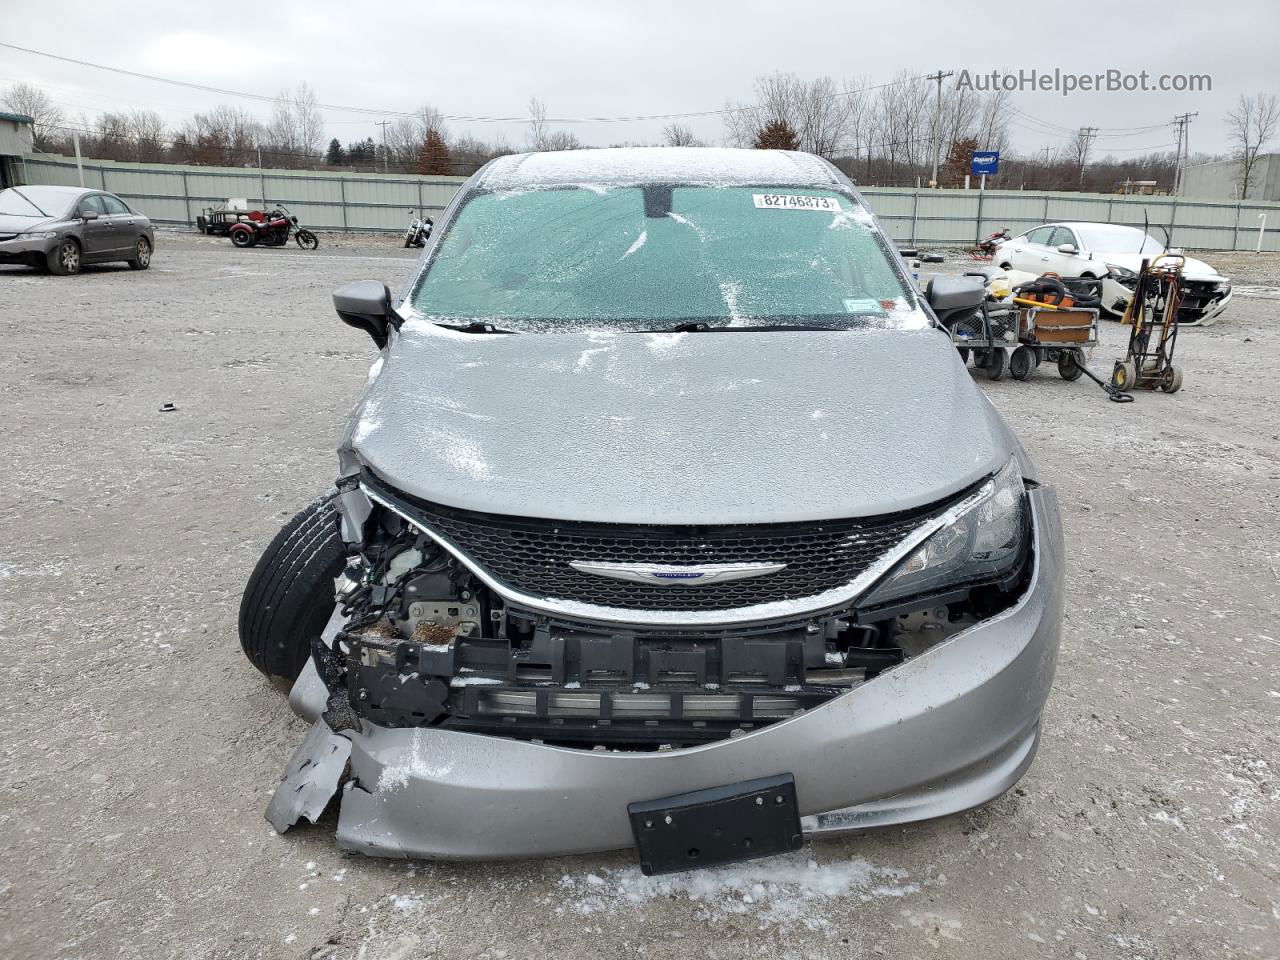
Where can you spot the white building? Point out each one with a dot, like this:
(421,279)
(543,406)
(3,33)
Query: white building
(1220,180)
(15,145)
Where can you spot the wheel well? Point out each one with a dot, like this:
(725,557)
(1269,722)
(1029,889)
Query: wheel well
(1006,266)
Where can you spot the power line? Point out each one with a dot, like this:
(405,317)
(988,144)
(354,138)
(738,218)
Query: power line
(457,118)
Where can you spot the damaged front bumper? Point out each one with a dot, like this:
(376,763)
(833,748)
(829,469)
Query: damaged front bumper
(942,732)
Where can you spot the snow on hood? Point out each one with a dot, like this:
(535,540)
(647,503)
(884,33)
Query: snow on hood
(697,428)
(14,224)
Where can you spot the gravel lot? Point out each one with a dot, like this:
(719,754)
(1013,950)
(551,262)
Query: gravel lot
(141,748)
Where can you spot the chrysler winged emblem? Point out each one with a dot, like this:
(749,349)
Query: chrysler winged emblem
(673,575)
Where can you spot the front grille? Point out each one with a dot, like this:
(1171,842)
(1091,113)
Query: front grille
(533,555)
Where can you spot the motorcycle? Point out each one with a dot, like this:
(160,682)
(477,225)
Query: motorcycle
(419,230)
(271,229)
(986,249)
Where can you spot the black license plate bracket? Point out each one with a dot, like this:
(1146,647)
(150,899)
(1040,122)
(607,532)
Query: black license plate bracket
(705,828)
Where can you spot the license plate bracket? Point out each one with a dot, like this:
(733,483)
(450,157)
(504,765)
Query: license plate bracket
(705,828)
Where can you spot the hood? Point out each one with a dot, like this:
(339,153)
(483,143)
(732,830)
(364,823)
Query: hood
(14,224)
(696,428)
(1192,269)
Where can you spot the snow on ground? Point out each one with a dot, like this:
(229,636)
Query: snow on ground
(780,891)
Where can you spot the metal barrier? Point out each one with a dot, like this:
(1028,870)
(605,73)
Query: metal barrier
(175,194)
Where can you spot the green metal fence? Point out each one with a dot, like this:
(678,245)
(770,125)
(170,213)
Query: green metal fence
(175,194)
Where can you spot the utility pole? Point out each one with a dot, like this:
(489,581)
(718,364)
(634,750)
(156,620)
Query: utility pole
(1184,147)
(75,139)
(937,121)
(383,124)
(1087,136)
(1047,179)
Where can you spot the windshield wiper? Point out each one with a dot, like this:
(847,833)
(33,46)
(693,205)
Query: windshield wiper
(771,327)
(475,326)
(701,326)
(30,201)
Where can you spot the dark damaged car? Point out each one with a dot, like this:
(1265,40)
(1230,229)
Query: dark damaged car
(669,518)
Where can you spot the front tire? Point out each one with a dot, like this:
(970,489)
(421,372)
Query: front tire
(306,240)
(1022,363)
(65,260)
(141,258)
(289,596)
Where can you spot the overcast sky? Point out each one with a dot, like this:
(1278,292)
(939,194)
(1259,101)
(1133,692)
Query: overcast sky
(487,57)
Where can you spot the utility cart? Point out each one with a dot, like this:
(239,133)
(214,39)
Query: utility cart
(1057,321)
(988,334)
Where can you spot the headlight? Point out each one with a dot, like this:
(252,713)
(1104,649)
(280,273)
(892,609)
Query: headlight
(1122,274)
(983,542)
(48,235)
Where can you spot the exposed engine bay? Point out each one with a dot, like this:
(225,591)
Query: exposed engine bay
(427,643)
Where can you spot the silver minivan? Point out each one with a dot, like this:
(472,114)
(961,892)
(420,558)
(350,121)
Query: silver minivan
(669,518)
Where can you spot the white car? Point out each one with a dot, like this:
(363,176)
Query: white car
(1113,254)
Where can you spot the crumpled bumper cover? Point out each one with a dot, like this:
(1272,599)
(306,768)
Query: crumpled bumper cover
(943,732)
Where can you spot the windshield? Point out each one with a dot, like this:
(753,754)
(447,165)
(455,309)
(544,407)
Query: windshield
(33,202)
(658,256)
(1107,238)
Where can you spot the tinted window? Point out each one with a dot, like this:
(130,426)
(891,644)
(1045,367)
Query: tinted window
(113,205)
(632,257)
(1040,235)
(94,204)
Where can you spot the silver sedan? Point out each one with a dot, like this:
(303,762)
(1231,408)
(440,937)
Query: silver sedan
(63,228)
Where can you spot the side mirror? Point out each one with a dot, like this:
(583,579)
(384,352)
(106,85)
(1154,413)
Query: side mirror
(89,215)
(1068,248)
(946,295)
(366,305)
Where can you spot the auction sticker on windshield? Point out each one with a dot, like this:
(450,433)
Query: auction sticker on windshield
(791,201)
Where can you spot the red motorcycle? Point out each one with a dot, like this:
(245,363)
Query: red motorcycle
(271,229)
(986,249)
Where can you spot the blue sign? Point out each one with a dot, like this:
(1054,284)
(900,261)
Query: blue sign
(985,161)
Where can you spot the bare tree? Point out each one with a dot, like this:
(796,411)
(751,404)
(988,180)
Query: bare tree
(224,135)
(537,123)
(406,136)
(1252,123)
(1077,152)
(33,102)
(540,138)
(679,135)
(296,127)
(110,138)
(148,134)
(815,111)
